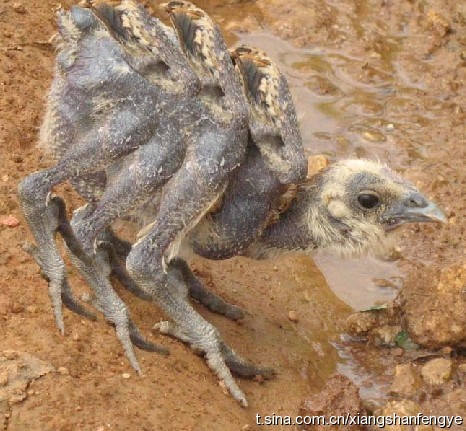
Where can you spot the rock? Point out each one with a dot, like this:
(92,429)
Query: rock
(9,221)
(19,8)
(293,316)
(425,297)
(63,371)
(315,164)
(340,396)
(385,335)
(438,23)
(406,382)
(437,371)
(400,408)
(361,323)
(126,375)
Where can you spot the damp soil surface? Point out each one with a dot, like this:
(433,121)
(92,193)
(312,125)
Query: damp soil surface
(375,78)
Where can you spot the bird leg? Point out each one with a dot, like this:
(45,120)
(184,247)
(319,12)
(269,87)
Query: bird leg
(139,175)
(117,269)
(96,271)
(186,200)
(89,154)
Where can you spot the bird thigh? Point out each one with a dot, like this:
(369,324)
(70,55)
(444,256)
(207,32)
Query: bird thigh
(130,183)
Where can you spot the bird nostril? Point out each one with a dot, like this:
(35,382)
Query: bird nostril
(417,201)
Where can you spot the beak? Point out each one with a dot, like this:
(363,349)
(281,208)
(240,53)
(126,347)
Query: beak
(415,208)
(431,213)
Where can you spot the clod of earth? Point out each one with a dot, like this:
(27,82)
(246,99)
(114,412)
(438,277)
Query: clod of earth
(437,371)
(17,371)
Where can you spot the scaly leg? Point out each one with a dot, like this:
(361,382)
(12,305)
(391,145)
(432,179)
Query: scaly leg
(186,199)
(89,154)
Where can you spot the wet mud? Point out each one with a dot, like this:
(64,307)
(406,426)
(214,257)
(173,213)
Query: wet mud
(377,79)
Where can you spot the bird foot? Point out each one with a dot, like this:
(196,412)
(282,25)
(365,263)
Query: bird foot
(53,269)
(96,271)
(127,332)
(218,355)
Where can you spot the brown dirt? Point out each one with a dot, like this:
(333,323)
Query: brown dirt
(414,51)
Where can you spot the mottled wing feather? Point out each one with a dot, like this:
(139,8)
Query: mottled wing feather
(262,79)
(198,34)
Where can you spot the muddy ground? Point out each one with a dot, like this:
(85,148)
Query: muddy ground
(375,78)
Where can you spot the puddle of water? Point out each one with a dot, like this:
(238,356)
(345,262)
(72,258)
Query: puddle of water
(361,283)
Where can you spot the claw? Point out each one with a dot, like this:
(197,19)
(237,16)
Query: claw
(217,364)
(242,367)
(55,289)
(55,286)
(123,334)
(220,358)
(142,343)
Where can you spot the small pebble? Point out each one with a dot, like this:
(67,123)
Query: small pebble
(17,308)
(293,316)
(19,8)
(32,309)
(63,371)
(259,379)
(78,408)
(126,375)
(390,127)
(10,354)
(4,378)
(9,221)
(437,371)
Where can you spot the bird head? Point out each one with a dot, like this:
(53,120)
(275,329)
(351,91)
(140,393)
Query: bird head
(356,202)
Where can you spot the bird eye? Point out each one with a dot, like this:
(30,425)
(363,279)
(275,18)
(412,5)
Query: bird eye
(368,200)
